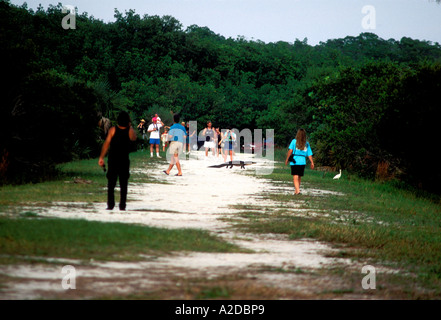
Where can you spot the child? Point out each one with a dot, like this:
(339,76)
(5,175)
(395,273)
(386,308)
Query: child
(164,139)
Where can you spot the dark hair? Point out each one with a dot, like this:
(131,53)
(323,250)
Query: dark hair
(123,119)
(176,117)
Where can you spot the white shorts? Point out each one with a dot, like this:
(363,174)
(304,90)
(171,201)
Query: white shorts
(209,144)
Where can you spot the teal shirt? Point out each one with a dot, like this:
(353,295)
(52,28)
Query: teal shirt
(300,155)
(177,132)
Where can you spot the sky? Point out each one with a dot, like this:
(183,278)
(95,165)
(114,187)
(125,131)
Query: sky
(281,20)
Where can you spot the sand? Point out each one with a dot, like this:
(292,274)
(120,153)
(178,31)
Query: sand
(203,198)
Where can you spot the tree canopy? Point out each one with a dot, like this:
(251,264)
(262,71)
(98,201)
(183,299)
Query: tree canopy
(365,102)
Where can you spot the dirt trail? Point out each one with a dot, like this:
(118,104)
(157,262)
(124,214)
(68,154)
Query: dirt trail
(202,198)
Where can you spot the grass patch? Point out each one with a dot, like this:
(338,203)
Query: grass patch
(382,222)
(24,233)
(82,239)
(78,181)
(215,292)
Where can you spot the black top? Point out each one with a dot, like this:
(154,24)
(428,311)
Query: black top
(143,128)
(120,145)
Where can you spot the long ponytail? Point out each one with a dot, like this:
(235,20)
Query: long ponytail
(301,139)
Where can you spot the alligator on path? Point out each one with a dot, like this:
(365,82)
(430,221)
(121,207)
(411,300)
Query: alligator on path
(230,164)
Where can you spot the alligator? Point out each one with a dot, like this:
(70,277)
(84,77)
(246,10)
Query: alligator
(230,164)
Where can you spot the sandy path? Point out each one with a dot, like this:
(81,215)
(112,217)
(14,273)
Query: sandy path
(201,198)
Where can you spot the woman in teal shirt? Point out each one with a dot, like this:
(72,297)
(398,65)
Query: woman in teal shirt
(301,150)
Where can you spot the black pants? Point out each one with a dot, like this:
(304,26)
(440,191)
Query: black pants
(117,170)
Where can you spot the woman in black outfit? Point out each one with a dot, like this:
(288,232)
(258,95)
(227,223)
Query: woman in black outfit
(118,141)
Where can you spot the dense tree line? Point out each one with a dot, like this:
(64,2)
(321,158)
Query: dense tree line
(367,103)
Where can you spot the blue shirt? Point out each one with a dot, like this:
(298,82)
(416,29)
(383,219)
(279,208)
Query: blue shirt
(300,155)
(177,132)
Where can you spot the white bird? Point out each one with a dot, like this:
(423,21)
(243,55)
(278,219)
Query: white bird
(337,176)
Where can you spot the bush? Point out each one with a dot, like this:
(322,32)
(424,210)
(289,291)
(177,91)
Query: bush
(49,122)
(379,120)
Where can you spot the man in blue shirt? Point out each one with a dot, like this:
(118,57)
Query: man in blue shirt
(176,135)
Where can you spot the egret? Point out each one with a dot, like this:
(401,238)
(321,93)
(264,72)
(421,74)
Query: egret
(337,176)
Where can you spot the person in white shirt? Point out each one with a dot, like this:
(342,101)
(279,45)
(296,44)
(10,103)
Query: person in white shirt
(155,133)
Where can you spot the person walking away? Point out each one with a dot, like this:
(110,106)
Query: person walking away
(301,150)
(177,135)
(154,130)
(117,144)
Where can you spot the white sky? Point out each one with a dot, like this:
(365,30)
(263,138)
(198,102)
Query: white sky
(280,20)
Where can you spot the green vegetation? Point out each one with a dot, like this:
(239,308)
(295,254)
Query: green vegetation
(76,181)
(81,239)
(24,233)
(378,221)
(369,105)
(365,101)
(374,222)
